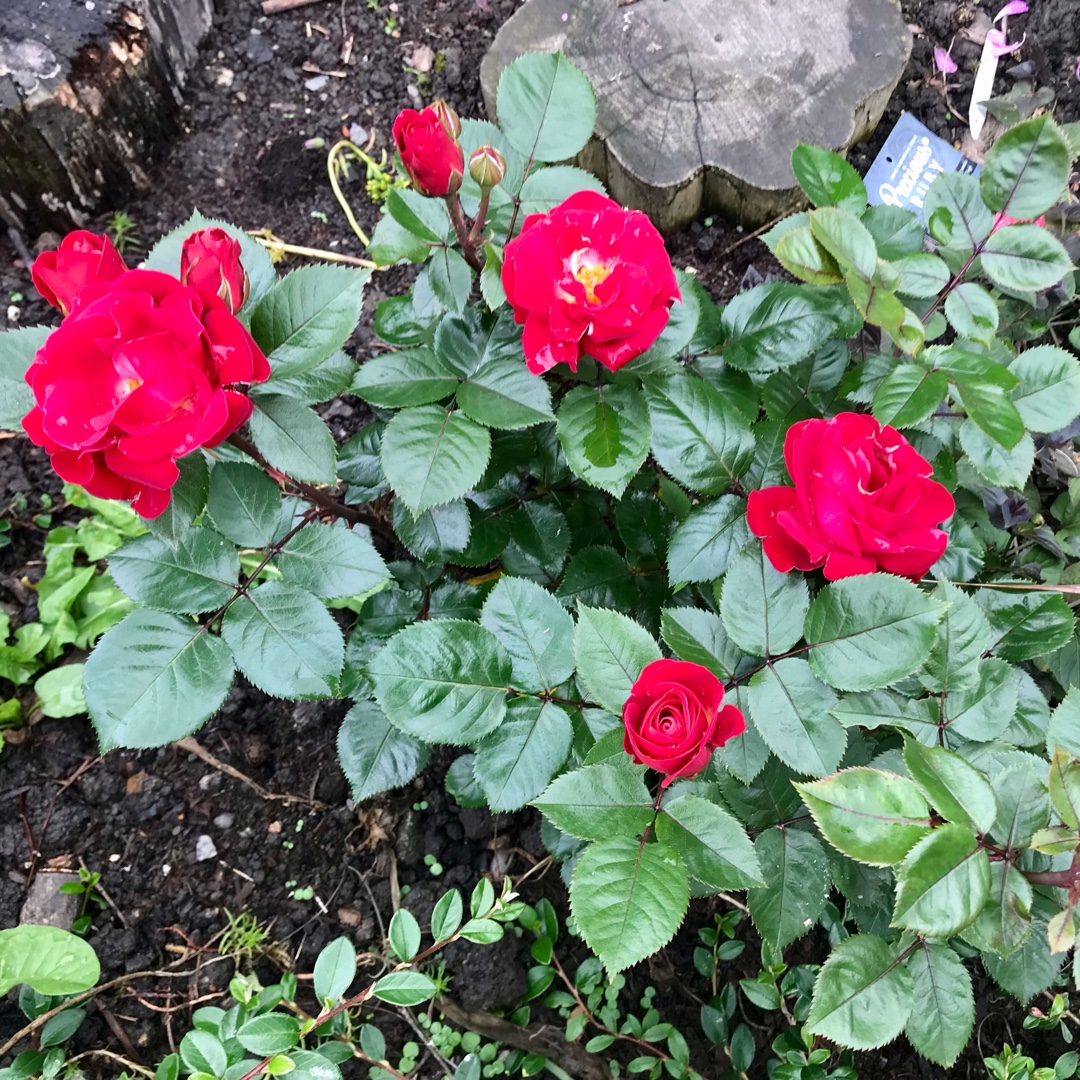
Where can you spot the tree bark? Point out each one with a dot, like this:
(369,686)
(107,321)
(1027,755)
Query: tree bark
(89,94)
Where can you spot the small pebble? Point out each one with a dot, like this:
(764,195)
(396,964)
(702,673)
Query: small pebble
(224,821)
(204,849)
(317,83)
(414,95)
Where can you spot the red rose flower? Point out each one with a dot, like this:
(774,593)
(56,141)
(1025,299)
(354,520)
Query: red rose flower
(672,720)
(210,259)
(429,149)
(863,501)
(81,259)
(140,374)
(588,277)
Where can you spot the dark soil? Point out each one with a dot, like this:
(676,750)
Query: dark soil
(136,816)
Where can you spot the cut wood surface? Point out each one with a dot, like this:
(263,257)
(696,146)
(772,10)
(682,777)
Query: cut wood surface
(89,94)
(700,102)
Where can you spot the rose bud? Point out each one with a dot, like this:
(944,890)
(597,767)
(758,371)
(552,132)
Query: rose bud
(144,371)
(863,501)
(673,719)
(430,152)
(210,259)
(81,259)
(447,117)
(588,278)
(487,167)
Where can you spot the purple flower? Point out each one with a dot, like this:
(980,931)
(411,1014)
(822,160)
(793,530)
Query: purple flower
(1013,7)
(943,61)
(1077,72)
(999,46)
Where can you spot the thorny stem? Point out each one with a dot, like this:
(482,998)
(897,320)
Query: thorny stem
(461,229)
(327,503)
(477,229)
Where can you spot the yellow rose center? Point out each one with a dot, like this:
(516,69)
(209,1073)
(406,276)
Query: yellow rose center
(587,270)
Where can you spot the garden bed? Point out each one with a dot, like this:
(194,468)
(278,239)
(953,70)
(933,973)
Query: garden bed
(287,845)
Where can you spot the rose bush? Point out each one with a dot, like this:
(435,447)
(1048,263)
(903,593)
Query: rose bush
(863,501)
(673,719)
(588,278)
(909,770)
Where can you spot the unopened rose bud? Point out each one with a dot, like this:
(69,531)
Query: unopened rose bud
(447,117)
(210,260)
(487,166)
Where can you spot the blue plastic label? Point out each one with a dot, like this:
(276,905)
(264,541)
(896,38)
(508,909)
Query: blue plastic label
(910,159)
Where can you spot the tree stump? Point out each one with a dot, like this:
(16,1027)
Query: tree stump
(89,93)
(700,102)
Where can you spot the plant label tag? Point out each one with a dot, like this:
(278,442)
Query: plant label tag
(905,166)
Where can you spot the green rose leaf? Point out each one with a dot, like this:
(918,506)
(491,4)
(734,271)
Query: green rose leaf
(443,681)
(972,312)
(611,650)
(431,456)
(293,438)
(604,433)
(308,315)
(1004,923)
(628,899)
(705,541)
(863,995)
(762,609)
(599,802)
(710,841)
(908,395)
(873,816)
(955,213)
(1025,258)
(869,631)
(698,436)
(243,504)
(827,179)
(943,882)
(791,711)
(1048,397)
(407,377)
(199,574)
(332,561)
(1026,624)
(17,350)
(546,106)
(375,756)
(959,792)
(285,641)
(154,678)
(516,763)
(796,875)
(1027,169)
(536,631)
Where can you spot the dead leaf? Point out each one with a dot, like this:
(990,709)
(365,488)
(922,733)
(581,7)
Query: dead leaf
(134,783)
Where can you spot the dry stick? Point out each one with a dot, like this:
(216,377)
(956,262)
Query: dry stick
(276,7)
(126,1062)
(273,244)
(192,747)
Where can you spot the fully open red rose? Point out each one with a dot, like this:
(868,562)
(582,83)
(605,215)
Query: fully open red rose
(81,259)
(673,720)
(863,501)
(140,374)
(429,149)
(210,259)
(588,277)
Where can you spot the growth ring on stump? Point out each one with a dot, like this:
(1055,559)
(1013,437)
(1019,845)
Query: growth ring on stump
(700,102)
